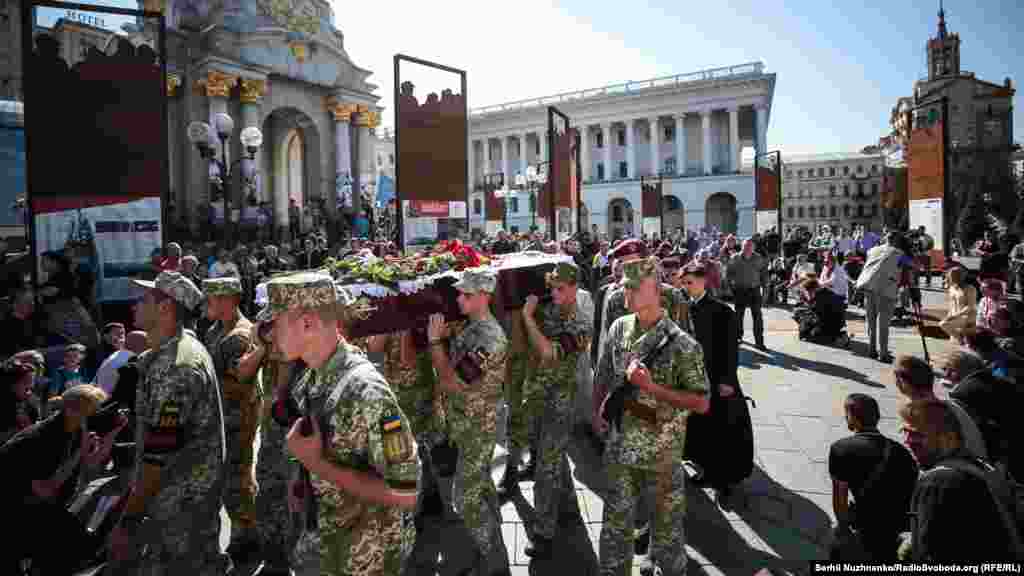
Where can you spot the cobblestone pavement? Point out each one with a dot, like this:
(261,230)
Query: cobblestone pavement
(780,517)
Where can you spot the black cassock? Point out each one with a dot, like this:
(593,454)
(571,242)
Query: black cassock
(721,441)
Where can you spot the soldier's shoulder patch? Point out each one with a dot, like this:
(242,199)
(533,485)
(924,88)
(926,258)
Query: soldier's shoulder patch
(170,412)
(394,437)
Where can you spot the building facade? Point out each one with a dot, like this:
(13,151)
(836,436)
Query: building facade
(281,67)
(842,190)
(690,129)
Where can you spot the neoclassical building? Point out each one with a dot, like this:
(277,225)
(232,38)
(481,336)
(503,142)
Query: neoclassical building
(280,66)
(840,189)
(691,129)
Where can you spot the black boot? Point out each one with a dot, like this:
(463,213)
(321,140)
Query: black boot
(508,487)
(642,542)
(539,548)
(243,551)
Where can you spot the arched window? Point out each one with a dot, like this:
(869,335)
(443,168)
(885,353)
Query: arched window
(860,211)
(811,211)
(800,211)
(821,211)
(846,210)
(874,210)
(789,212)
(832,211)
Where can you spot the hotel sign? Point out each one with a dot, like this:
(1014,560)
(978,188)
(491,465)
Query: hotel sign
(83,18)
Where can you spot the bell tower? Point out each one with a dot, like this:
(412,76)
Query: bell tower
(943,51)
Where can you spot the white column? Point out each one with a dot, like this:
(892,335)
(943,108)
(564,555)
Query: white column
(522,154)
(585,152)
(762,128)
(653,123)
(606,129)
(472,166)
(734,138)
(543,135)
(630,149)
(681,144)
(504,161)
(705,116)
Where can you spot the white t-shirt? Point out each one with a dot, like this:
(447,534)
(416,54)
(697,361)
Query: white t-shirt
(106,375)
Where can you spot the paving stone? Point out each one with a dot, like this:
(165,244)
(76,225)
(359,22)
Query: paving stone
(773,437)
(772,508)
(786,543)
(807,431)
(808,517)
(795,471)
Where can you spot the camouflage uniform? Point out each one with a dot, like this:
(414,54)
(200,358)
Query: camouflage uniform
(180,430)
(525,402)
(645,460)
(243,402)
(277,529)
(363,429)
(472,424)
(556,382)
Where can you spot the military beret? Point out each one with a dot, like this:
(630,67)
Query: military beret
(631,248)
(671,263)
(664,250)
(177,287)
(695,268)
(226,286)
(636,271)
(565,272)
(301,290)
(480,279)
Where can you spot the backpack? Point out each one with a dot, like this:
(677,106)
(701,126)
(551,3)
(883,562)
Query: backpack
(1006,494)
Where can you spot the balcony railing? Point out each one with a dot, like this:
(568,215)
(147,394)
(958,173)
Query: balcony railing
(752,68)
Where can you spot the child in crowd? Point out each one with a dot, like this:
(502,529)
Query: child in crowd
(993,299)
(71,373)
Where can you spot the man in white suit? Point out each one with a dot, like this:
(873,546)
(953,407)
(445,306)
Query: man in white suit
(880,282)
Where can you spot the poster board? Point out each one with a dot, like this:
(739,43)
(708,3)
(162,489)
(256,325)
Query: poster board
(928,213)
(765,220)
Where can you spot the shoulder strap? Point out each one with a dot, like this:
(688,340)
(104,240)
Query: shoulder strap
(876,472)
(1000,491)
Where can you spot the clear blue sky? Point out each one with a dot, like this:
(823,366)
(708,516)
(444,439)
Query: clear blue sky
(840,65)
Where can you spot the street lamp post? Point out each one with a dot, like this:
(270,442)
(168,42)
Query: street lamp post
(536,175)
(202,135)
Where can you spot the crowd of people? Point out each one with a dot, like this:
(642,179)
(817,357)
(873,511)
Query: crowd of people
(364,436)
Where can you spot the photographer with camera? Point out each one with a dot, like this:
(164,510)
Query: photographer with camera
(43,465)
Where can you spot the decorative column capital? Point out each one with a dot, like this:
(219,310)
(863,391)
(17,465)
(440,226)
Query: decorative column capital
(367,118)
(342,111)
(173,81)
(251,90)
(216,84)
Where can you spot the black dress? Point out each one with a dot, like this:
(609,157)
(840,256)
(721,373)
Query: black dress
(721,441)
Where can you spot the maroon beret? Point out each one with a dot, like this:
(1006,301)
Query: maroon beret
(629,248)
(695,268)
(665,249)
(671,263)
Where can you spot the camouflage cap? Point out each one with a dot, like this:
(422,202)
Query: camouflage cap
(226,286)
(176,286)
(301,290)
(480,279)
(636,271)
(353,308)
(564,272)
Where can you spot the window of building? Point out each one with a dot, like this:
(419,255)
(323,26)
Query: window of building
(789,173)
(831,170)
(789,212)
(600,139)
(821,211)
(832,210)
(821,172)
(670,133)
(800,211)
(811,211)
(670,165)
(800,173)
(874,188)
(617,213)
(622,137)
(874,210)
(860,211)
(515,229)
(860,189)
(623,170)
(391,159)
(846,190)
(380,160)
(846,170)
(832,190)
(477,208)
(515,205)
(874,168)
(860,169)
(600,170)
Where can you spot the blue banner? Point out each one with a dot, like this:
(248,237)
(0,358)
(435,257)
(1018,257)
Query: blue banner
(385,190)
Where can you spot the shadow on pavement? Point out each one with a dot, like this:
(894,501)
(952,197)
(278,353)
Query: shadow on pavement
(789,362)
(790,525)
